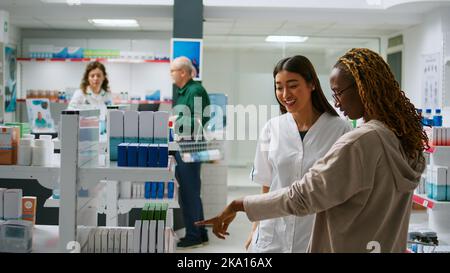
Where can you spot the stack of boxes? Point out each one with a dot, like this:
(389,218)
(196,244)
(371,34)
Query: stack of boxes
(139,139)
(436,180)
(150,231)
(15,206)
(147,190)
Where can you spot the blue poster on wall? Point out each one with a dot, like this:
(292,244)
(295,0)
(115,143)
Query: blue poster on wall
(10,73)
(192,49)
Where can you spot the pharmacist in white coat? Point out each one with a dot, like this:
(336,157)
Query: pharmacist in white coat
(94,91)
(288,146)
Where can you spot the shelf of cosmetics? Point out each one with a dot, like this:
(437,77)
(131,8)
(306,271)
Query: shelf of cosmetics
(149,235)
(139,138)
(435,180)
(15,206)
(25,150)
(428,119)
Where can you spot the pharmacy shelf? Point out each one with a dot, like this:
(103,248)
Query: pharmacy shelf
(46,176)
(125,205)
(54,203)
(91,175)
(78,60)
(424,201)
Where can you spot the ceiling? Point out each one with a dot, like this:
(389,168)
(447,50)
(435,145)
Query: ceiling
(238,23)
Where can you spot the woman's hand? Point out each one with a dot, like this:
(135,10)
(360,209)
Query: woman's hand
(221,222)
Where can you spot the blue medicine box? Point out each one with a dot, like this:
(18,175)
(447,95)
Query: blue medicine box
(160,193)
(122,154)
(153,156)
(147,190)
(163,155)
(143,155)
(132,154)
(170,189)
(153,190)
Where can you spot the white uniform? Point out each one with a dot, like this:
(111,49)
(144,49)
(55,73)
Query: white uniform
(281,158)
(90,100)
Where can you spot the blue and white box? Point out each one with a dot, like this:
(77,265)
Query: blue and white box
(115,129)
(146,127)
(143,154)
(170,189)
(132,154)
(153,190)
(147,190)
(160,192)
(122,155)
(161,127)
(153,156)
(131,126)
(163,155)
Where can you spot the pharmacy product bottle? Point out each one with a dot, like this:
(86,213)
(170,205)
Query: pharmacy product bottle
(428,117)
(437,118)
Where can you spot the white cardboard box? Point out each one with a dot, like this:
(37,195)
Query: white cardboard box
(137,236)
(131,124)
(12,204)
(146,127)
(144,237)
(152,236)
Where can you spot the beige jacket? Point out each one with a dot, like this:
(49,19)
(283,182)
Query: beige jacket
(361,192)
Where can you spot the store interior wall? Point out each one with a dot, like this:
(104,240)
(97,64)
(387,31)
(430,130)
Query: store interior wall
(426,38)
(136,79)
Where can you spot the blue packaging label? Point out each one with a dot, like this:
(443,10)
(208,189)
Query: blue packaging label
(113,143)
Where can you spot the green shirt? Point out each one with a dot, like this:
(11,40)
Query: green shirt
(186,96)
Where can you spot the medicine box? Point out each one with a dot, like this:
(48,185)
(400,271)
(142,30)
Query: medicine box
(143,154)
(12,204)
(2,194)
(137,236)
(160,191)
(163,155)
(153,155)
(9,142)
(146,127)
(131,126)
(29,204)
(170,189)
(115,129)
(122,155)
(132,154)
(153,190)
(161,127)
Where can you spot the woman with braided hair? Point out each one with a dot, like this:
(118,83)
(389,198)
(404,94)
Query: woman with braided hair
(361,190)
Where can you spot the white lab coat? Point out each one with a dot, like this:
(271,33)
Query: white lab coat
(90,100)
(281,158)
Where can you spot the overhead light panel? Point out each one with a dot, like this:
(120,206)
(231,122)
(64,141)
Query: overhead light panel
(286,39)
(114,22)
(112,2)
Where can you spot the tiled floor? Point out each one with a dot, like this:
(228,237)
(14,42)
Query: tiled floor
(238,186)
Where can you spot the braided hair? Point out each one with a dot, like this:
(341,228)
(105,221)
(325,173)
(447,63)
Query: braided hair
(383,99)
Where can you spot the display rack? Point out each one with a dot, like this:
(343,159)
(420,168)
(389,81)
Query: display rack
(79,169)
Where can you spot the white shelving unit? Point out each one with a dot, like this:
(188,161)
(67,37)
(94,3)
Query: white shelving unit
(46,176)
(79,169)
